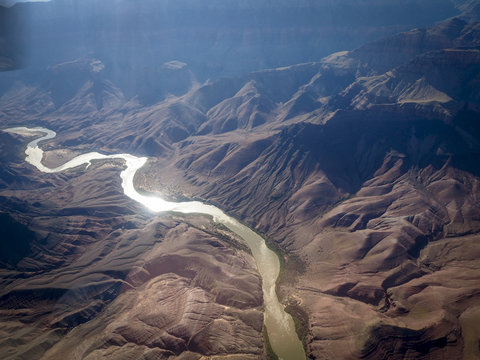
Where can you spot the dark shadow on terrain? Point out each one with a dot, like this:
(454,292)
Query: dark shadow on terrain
(353,145)
(415,343)
(15,240)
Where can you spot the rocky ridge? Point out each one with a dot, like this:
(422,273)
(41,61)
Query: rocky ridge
(371,182)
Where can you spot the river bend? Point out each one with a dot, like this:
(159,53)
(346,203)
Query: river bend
(279,324)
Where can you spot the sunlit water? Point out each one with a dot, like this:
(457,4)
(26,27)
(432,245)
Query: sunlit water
(280,326)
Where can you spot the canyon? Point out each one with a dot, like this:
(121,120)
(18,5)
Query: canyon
(359,168)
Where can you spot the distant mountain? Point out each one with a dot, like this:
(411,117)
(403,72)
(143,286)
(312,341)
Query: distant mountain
(216,38)
(10,48)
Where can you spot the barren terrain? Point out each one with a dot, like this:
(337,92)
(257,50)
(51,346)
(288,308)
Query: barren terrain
(361,170)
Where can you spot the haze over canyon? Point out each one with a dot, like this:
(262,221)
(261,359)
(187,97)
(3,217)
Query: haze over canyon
(345,133)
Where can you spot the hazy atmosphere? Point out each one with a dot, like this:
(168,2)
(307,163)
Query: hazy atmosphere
(240,180)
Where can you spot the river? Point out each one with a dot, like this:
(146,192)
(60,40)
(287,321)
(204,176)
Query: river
(279,324)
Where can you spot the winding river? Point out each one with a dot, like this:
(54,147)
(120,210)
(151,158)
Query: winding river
(279,324)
